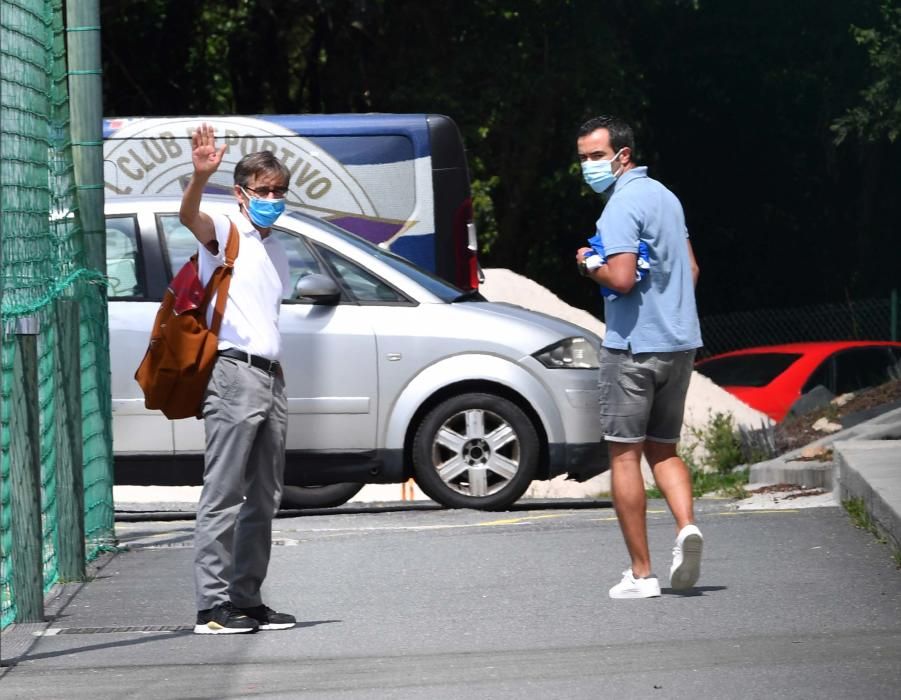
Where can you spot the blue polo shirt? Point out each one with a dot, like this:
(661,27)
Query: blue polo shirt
(659,313)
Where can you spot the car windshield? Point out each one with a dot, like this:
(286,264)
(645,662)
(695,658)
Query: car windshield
(440,288)
(747,370)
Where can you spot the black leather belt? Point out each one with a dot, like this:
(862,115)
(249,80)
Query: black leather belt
(270,366)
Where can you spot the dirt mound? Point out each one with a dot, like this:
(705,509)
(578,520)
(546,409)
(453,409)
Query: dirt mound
(704,397)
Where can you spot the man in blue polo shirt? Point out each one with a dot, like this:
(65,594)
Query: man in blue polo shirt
(648,350)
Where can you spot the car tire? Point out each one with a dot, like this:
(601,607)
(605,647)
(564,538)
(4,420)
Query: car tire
(319,496)
(475,451)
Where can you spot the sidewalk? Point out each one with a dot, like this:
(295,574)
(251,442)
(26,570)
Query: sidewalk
(860,462)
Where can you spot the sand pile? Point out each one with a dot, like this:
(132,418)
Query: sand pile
(704,397)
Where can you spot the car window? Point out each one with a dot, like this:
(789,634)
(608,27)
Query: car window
(821,376)
(440,288)
(123,258)
(301,260)
(757,369)
(180,243)
(895,369)
(365,286)
(859,368)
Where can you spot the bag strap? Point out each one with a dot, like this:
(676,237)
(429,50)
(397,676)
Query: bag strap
(222,277)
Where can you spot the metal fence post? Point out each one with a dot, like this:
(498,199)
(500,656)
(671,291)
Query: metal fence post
(893,318)
(25,476)
(69,464)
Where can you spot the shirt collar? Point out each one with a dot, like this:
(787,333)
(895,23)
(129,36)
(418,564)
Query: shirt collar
(244,226)
(629,175)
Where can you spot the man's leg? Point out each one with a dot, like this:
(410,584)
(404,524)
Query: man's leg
(673,372)
(673,479)
(230,432)
(630,503)
(263,488)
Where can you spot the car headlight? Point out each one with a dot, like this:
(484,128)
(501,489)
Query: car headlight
(569,353)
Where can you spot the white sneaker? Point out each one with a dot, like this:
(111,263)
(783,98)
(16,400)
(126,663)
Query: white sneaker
(631,587)
(686,558)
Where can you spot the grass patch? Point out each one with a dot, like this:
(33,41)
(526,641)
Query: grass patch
(857,511)
(860,518)
(731,485)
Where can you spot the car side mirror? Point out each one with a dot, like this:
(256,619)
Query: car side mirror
(320,288)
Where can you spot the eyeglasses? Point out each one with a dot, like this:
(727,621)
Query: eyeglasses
(279,192)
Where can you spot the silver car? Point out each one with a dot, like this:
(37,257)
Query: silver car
(391,372)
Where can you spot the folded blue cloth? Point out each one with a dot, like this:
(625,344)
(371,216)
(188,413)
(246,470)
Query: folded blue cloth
(642,265)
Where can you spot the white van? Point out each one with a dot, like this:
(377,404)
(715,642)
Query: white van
(398,180)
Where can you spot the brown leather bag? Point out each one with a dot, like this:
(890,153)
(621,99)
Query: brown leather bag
(179,360)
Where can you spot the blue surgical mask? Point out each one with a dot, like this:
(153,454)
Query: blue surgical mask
(599,174)
(263,212)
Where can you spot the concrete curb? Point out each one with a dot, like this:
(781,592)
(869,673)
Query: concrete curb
(871,470)
(791,469)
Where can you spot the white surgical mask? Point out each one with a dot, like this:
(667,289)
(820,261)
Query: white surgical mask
(599,174)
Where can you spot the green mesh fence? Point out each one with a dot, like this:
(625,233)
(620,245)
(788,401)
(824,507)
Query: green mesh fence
(44,259)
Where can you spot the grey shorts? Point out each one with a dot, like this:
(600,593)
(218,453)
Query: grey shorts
(643,395)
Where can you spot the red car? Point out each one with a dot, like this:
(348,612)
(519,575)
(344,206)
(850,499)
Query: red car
(773,378)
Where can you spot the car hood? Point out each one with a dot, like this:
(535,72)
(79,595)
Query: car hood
(555,328)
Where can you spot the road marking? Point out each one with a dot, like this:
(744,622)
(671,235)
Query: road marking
(775,511)
(524,519)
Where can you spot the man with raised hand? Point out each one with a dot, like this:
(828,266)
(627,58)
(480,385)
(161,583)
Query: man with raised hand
(245,405)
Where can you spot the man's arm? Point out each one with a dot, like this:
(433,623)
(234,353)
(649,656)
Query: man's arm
(617,274)
(206,159)
(695,270)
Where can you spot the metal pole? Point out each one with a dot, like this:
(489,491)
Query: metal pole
(25,476)
(69,442)
(893,320)
(86,122)
(86,128)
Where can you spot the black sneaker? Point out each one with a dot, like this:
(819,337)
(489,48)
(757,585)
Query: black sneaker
(224,619)
(268,619)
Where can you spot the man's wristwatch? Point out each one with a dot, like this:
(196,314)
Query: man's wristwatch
(583,268)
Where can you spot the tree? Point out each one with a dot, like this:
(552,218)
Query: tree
(878,115)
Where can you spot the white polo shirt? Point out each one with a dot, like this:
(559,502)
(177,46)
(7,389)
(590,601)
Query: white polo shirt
(260,280)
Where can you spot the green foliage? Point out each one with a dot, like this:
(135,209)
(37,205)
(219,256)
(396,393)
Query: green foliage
(717,93)
(860,516)
(728,485)
(879,113)
(720,444)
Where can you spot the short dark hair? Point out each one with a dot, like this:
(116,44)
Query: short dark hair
(260,163)
(621,135)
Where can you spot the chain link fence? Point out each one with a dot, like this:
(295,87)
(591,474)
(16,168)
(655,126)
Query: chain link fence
(49,296)
(868,319)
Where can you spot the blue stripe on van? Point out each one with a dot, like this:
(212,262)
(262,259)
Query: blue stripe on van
(317,126)
(363,149)
(419,249)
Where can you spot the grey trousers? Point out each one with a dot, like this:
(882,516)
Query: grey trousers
(245,414)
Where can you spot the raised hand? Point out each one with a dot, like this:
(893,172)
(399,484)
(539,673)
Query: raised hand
(204,154)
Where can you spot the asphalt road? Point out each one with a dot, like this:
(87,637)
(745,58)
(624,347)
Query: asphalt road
(460,604)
